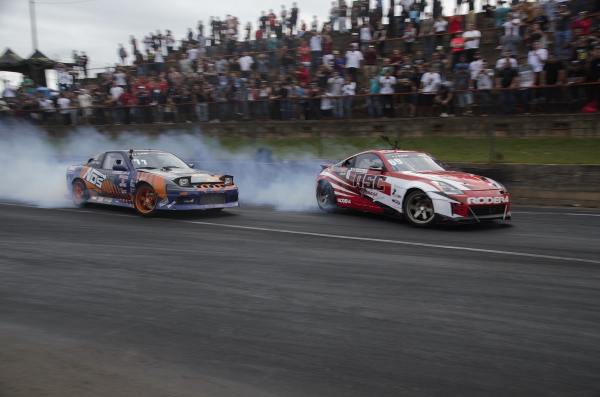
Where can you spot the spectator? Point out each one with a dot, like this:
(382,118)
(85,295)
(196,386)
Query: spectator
(552,74)
(365,36)
(444,98)
(314,24)
(115,94)
(471,43)
(485,83)
(440,26)
(455,22)
(506,80)
(511,43)
(303,75)
(293,17)
(85,102)
(327,45)
(462,82)
(185,64)
(348,91)
(458,47)
(354,60)
(525,81)
(409,38)
(405,87)
(64,104)
(563,30)
(122,54)
(388,83)
(371,57)
(339,64)
(334,87)
(373,103)
(342,11)
(501,13)
(315,50)
(380,36)
(537,58)
(246,62)
(428,88)
(333,14)
(507,58)
(427,29)
(575,76)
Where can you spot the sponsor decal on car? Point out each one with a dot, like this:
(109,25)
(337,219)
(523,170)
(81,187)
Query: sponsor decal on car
(108,200)
(123,176)
(71,168)
(395,161)
(164,202)
(99,199)
(170,205)
(94,177)
(122,184)
(397,201)
(487,200)
(368,181)
(344,201)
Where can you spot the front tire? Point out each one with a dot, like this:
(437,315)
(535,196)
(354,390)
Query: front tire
(418,209)
(80,194)
(326,197)
(145,201)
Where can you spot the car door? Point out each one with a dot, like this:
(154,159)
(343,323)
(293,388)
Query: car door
(118,179)
(346,196)
(370,179)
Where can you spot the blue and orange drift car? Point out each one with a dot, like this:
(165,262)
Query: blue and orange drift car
(149,181)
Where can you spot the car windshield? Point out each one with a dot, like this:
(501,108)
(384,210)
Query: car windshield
(156,160)
(414,162)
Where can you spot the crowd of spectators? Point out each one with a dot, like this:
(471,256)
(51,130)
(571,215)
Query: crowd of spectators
(538,57)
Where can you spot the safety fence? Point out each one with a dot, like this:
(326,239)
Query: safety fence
(511,100)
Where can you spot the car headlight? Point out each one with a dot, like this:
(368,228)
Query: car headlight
(447,188)
(228,180)
(497,184)
(183,182)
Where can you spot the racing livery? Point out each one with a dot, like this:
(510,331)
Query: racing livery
(412,184)
(149,181)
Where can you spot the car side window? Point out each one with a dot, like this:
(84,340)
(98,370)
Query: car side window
(111,159)
(347,163)
(367,160)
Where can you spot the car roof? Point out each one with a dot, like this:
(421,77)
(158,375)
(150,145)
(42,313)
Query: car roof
(388,151)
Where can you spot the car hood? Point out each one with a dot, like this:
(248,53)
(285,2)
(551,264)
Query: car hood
(197,176)
(460,180)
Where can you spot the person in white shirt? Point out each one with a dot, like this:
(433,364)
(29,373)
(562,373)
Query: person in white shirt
(314,24)
(159,60)
(334,87)
(348,91)
(85,102)
(315,50)
(485,81)
(64,105)
(120,78)
(428,89)
(440,26)
(192,52)
(115,93)
(507,57)
(537,58)
(512,26)
(388,82)
(365,36)
(472,37)
(246,62)
(354,60)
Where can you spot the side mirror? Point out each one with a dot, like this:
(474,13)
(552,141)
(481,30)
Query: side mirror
(119,167)
(191,165)
(376,168)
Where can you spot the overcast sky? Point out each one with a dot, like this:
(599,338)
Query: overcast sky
(98,26)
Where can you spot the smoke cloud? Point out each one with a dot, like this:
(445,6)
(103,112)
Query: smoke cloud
(34,165)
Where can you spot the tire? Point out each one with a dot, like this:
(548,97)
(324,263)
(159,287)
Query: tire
(79,194)
(326,197)
(418,209)
(145,201)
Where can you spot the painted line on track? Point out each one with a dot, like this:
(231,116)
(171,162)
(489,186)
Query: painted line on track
(554,213)
(341,237)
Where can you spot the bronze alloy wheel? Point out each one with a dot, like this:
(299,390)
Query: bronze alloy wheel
(145,201)
(79,193)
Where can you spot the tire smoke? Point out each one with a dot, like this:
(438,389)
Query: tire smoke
(34,165)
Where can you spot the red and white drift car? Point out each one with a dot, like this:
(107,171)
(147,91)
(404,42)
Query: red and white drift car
(413,184)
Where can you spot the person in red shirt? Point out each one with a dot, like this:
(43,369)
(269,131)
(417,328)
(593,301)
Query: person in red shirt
(128,99)
(583,22)
(397,59)
(458,47)
(371,57)
(303,52)
(163,84)
(303,75)
(272,18)
(455,22)
(258,35)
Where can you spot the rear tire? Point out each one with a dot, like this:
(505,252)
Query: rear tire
(418,209)
(80,194)
(145,201)
(326,197)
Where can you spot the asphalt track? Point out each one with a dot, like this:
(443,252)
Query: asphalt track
(256,302)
